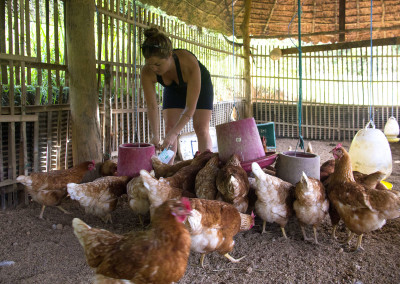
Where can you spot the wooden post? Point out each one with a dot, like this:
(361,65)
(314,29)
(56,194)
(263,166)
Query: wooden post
(86,136)
(246,52)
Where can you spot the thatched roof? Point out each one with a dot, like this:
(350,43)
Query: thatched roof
(322,20)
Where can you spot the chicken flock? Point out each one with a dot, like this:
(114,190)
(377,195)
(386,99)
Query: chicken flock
(200,205)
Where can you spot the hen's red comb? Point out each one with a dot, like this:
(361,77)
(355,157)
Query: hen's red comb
(185,201)
(338,146)
(253,215)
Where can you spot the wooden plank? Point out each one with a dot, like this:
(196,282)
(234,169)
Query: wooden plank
(5,183)
(286,35)
(342,20)
(28,39)
(4,78)
(19,118)
(12,166)
(344,45)
(23,158)
(107,113)
(38,43)
(16,40)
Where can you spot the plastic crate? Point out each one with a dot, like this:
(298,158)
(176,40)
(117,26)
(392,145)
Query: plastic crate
(268,131)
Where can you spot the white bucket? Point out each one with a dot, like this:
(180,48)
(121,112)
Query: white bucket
(370,151)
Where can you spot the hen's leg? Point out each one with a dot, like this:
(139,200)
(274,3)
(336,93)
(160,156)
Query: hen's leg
(315,233)
(41,212)
(63,210)
(233,259)
(263,229)
(303,230)
(358,246)
(203,255)
(351,235)
(334,232)
(283,232)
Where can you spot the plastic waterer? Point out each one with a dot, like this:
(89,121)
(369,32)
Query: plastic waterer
(370,151)
(133,157)
(391,130)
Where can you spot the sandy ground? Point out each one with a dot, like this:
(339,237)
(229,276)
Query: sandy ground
(47,251)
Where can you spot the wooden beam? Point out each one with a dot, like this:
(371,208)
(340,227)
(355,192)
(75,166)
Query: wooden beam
(246,50)
(343,45)
(86,136)
(342,20)
(270,16)
(397,27)
(19,118)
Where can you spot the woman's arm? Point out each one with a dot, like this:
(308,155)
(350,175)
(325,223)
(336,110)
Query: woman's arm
(191,74)
(148,80)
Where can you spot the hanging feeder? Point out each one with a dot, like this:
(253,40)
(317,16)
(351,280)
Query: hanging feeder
(370,151)
(133,157)
(239,137)
(291,165)
(391,130)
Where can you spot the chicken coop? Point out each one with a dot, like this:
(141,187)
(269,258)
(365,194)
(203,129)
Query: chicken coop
(70,72)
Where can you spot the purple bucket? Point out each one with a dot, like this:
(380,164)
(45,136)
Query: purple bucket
(239,137)
(133,157)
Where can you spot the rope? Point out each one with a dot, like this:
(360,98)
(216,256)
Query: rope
(370,87)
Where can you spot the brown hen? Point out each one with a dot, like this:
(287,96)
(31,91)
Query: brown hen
(159,255)
(99,197)
(233,184)
(212,226)
(205,186)
(275,198)
(185,177)
(311,204)
(166,170)
(50,188)
(361,208)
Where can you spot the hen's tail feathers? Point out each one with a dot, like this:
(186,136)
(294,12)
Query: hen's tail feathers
(25,180)
(73,191)
(149,182)
(257,171)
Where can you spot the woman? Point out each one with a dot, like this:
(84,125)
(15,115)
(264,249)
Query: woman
(188,91)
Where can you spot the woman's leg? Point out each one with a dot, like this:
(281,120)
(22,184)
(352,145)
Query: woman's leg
(201,125)
(171,117)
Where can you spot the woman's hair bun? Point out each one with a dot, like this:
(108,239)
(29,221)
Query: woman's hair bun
(151,32)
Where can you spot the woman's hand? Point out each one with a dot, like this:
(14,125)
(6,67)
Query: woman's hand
(155,140)
(169,140)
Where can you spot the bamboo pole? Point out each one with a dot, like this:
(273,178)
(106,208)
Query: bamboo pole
(4,78)
(246,45)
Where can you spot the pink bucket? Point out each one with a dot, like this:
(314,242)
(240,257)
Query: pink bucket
(133,157)
(239,137)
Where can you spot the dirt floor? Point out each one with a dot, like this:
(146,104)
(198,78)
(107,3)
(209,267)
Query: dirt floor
(47,251)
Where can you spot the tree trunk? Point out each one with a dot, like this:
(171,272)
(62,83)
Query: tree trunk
(86,138)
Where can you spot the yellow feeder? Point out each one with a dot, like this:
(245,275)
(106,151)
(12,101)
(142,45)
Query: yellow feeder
(388,185)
